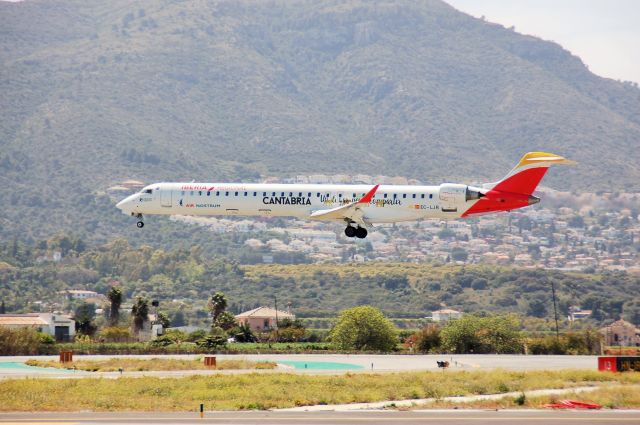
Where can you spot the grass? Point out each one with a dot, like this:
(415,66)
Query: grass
(608,396)
(278,390)
(158,364)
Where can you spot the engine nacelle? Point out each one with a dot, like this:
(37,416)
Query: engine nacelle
(458,194)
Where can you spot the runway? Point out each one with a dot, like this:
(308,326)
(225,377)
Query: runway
(450,417)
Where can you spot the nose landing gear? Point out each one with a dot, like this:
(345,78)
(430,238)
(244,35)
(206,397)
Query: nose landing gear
(140,223)
(358,232)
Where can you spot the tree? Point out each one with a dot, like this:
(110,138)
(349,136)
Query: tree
(178,319)
(140,313)
(363,328)
(3,309)
(290,330)
(163,320)
(217,338)
(226,321)
(243,333)
(217,304)
(473,334)
(459,254)
(427,339)
(84,315)
(115,298)
(460,335)
(501,334)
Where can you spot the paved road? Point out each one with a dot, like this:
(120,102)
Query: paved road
(449,417)
(362,363)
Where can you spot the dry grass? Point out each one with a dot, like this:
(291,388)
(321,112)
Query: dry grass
(278,390)
(156,364)
(609,396)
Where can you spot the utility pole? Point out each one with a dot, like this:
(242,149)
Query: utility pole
(275,299)
(555,308)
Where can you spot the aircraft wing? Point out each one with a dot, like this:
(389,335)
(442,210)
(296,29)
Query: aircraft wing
(351,211)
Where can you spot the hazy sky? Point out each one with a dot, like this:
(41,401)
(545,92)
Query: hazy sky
(605,34)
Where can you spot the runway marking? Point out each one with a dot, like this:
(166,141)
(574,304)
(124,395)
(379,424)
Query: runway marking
(65,421)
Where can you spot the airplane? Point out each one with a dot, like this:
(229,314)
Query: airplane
(358,206)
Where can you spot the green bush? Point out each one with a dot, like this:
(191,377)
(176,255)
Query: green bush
(363,328)
(46,339)
(20,341)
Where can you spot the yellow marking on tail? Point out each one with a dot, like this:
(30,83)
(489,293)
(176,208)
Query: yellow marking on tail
(538,157)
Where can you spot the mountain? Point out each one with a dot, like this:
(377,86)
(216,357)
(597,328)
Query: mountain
(97,92)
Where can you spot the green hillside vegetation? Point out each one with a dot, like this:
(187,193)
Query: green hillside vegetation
(184,280)
(98,92)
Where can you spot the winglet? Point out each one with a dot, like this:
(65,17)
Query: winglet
(369,196)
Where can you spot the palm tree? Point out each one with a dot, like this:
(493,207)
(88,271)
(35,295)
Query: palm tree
(115,298)
(217,304)
(140,313)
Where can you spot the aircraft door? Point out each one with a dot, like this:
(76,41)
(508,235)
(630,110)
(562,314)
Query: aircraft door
(451,197)
(165,197)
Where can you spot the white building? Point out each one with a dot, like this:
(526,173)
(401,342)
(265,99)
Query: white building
(59,326)
(80,294)
(445,314)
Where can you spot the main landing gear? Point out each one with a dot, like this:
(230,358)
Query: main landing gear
(140,223)
(358,232)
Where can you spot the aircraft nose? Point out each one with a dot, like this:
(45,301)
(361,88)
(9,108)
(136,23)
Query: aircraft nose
(125,203)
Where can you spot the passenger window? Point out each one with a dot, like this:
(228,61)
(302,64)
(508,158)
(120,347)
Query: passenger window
(354,196)
(340,195)
(236,194)
(255,193)
(422,196)
(273,194)
(199,193)
(264,193)
(300,194)
(282,194)
(404,196)
(431,196)
(218,193)
(208,193)
(309,195)
(226,194)
(385,196)
(246,193)
(395,196)
(318,194)
(290,194)
(414,196)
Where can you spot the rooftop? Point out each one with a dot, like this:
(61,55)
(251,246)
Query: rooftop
(265,312)
(21,319)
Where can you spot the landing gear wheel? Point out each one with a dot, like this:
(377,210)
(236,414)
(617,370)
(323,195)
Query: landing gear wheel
(361,233)
(350,231)
(140,225)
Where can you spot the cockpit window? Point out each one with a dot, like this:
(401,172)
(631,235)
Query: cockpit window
(148,191)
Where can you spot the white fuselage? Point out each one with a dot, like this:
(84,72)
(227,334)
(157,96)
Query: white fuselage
(390,203)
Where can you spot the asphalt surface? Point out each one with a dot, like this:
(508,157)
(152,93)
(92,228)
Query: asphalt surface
(449,417)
